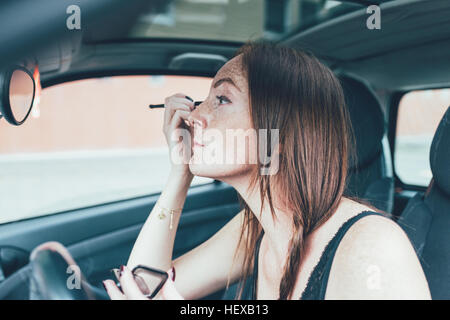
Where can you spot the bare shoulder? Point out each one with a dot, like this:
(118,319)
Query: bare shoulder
(376,231)
(376,260)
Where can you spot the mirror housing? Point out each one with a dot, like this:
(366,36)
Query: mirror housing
(17,94)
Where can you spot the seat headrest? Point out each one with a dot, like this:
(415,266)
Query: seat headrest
(440,154)
(367,120)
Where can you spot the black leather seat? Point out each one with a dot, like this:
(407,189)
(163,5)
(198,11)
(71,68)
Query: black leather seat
(426,219)
(370,174)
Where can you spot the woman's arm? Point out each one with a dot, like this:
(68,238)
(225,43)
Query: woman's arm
(204,269)
(201,271)
(154,244)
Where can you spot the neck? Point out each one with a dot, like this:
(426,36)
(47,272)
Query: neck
(278,227)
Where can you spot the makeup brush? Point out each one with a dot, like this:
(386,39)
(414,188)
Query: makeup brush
(155,106)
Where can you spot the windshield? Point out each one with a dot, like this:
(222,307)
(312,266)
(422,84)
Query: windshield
(236,20)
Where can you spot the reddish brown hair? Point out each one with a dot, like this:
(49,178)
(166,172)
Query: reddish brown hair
(294,92)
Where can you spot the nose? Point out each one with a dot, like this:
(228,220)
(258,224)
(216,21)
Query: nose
(199,116)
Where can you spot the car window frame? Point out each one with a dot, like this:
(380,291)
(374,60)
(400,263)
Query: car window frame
(394,104)
(60,80)
(64,78)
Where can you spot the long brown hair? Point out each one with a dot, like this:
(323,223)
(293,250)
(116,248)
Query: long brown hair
(292,91)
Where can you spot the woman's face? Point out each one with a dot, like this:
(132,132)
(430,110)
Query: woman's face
(223,139)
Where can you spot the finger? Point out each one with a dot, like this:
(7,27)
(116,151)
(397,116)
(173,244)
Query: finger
(129,286)
(113,291)
(179,118)
(185,101)
(179,99)
(180,106)
(169,102)
(182,95)
(169,291)
(174,107)
(168,110)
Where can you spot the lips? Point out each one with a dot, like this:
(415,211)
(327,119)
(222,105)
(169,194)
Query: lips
(198,132)
(196,144)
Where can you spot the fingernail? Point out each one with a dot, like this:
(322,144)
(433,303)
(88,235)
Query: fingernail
(189,98)
(121,269)
(172,273)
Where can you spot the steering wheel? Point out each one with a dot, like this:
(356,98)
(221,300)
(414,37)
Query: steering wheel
(56,276)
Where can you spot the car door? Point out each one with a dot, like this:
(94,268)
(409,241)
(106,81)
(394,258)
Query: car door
(86,170)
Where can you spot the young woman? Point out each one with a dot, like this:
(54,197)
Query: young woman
(298,236)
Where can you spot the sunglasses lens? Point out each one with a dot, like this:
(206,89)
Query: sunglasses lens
(150,284)
(148,281)
(142,285)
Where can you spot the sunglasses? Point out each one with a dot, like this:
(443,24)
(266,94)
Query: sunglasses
(149,280)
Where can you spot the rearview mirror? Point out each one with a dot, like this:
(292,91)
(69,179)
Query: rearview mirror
(17,93)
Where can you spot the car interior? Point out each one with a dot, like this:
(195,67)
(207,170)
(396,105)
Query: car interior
(377,68)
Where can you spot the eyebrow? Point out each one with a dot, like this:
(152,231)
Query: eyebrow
(223,80)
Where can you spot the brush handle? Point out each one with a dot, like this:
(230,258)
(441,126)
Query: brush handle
(155,106)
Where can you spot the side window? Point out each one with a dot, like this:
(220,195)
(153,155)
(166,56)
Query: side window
(89,142)
(419,114)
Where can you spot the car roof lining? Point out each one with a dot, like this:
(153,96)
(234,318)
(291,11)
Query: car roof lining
(128,57)
(403,23)
(414,52)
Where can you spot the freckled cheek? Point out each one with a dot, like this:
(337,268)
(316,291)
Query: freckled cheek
(230,118)
(231,123)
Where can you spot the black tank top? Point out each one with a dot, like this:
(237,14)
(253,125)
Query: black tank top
(318,280)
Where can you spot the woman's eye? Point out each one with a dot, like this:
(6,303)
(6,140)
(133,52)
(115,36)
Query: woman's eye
(223,99)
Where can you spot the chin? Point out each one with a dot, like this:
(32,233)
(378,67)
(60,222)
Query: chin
(222,172)
(209,163)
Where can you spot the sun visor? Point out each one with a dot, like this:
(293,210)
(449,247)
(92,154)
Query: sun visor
(203,62)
